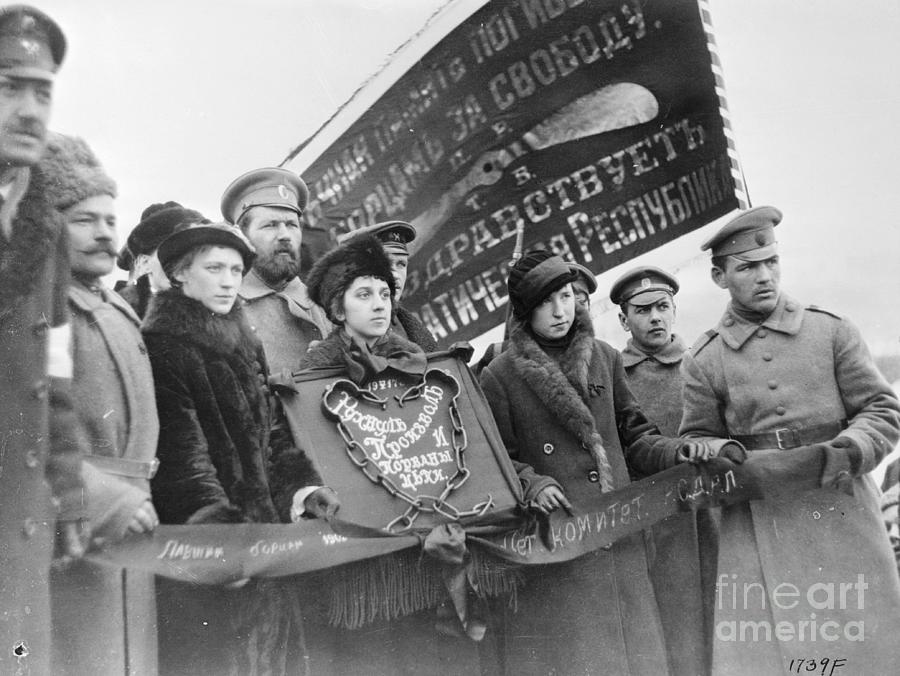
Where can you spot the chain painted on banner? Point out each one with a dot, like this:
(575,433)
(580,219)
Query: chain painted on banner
(424,503)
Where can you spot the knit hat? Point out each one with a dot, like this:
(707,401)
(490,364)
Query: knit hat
(360,256)
(535,276)
(73,173)
(158,221)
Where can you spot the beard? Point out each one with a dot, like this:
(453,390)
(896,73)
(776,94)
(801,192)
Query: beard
(275,269)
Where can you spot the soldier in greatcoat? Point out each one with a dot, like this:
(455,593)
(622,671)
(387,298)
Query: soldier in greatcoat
(40,478)
(804,573)
(267,204)
(682,567)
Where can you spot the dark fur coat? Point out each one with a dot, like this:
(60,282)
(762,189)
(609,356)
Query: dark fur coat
(218,446)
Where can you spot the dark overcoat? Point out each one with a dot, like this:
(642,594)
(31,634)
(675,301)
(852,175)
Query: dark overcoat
(800,369)
(39,448)
(219,438)
(598,613)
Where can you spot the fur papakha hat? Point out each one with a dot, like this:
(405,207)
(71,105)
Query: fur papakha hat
(73,173)
(360,256)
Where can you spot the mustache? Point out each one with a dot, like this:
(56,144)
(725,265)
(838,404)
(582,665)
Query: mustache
(101,248)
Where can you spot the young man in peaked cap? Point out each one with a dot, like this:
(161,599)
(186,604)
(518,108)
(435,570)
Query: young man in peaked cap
(267,204)
(41,441)
(395,237)
(796,386)
(684,561)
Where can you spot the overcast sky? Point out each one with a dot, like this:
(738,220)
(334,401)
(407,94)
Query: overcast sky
(177,98)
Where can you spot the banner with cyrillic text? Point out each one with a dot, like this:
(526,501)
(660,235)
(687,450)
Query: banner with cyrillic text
(595,125)
(216,554)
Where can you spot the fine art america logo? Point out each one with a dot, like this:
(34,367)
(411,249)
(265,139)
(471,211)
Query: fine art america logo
(820,611)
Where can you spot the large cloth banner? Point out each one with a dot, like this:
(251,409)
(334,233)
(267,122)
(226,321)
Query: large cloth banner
(593,126)
(216,554)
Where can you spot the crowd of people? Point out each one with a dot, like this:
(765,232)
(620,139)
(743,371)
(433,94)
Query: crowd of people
(124,410)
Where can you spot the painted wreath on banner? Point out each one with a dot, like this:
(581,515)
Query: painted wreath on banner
(411,444)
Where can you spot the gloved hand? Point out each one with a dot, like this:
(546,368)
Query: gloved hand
(842,461)
(322,503)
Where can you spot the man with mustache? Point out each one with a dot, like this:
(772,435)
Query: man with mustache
(40,452)
(796,386)
(114,399)
(267,205)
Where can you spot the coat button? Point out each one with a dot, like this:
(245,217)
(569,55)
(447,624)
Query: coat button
(772,385)
(762,333)
(28,527)
(548,448)
(790,307)
(39,389)
(767,356)
(40,328)
(31,459)
(142,348)
(728,321)
(593,476)
(780,410)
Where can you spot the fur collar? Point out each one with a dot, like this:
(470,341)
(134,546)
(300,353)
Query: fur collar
(562,386)
(36,228)
(173,314)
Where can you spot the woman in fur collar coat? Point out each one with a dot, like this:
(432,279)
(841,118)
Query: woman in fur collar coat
(569,422)
(217,443)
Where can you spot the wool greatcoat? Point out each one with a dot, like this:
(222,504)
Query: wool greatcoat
(285,320)
(220,441)
(683,563)
(799,368)
(115,402)
(598,613)
(39,447)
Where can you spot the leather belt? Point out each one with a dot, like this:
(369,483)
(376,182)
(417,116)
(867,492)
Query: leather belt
(124,467)
(785,438)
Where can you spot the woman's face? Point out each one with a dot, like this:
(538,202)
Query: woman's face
(367,309)
(213,278)
(553,316)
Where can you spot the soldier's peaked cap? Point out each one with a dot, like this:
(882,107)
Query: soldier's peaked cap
(644,285)
(394,235)
(266,187)
(749,236)
(32,45)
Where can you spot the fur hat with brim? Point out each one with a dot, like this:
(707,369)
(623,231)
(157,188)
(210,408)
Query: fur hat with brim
(73,173)
(360,256)
(535,276)
(179,243)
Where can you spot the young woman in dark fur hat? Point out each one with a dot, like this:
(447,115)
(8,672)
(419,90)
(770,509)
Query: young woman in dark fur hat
(569,421)
(355,286)
(217,451)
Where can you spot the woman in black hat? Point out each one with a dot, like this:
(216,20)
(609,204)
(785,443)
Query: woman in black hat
(215,438)
(568,420)
(355,286)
